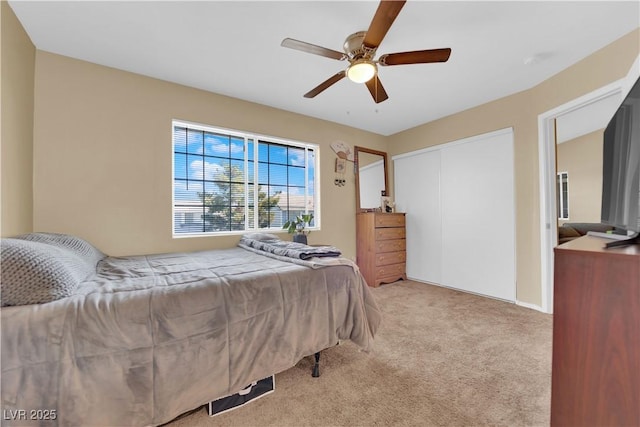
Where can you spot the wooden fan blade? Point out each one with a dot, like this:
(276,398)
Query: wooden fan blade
(386,13)
(325,84)
(312,48)
(415,57)
(377,90)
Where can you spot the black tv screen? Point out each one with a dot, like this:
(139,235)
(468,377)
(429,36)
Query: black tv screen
(621,166)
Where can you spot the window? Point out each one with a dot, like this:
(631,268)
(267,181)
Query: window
(562,195)
(230,181)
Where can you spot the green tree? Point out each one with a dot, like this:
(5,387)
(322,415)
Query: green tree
(265,208)
(225,205)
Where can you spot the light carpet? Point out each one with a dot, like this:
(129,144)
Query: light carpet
(441,358)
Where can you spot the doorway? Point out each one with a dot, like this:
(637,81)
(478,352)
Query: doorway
(568,115)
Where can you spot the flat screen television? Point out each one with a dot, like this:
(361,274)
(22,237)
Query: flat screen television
(621,170)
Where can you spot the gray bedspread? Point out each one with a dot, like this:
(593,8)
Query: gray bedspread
(148,338)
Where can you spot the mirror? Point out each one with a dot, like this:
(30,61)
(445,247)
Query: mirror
(370,177)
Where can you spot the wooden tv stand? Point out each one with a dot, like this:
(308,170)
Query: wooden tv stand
(596,335)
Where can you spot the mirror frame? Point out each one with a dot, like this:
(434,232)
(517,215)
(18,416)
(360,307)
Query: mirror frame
(356,171)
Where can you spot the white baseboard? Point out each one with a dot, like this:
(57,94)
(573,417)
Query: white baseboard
(520,303)
(531,306)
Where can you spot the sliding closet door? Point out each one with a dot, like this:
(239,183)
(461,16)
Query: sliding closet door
(417,193)
(478,238)
(460,213)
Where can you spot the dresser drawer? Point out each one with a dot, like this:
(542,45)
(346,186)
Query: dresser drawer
(396,245)
(390,233)
(389,220)
(394,271)
(390,258)
(381,247)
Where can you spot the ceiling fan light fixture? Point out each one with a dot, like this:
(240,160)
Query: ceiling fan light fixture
(361,71)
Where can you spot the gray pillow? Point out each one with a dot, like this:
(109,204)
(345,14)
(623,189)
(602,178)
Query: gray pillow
(35,273)
(80,247)
(261,237)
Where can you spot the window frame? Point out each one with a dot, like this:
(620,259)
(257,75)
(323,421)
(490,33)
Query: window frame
(562,183)
(257,139)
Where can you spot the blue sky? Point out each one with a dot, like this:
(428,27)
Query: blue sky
(220,151)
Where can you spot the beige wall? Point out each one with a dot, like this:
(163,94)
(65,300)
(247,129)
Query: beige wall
(581,158)
(521,112)
(17,68)
(102,138)
(102,156)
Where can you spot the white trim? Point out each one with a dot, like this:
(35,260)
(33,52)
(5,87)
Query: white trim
(562,207)
(256,138)
(172,182)
(516,302)
(473,138)
(206,128)
(316,187)
(528,305)
(547,173)
(466,291)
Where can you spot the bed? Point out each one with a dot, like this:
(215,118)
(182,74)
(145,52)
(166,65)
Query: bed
(140,340)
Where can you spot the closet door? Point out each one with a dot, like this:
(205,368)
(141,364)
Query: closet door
(478,231)
(417,193)
(460,214)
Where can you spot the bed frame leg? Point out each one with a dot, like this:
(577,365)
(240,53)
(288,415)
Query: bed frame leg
(316,366)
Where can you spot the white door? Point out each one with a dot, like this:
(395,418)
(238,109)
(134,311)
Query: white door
(478,241)
(417,193)
(460,208)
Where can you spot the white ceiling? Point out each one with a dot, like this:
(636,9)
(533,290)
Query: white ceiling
(233,48)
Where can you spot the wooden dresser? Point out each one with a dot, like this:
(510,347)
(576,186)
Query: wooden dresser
(596,335)
(381,251)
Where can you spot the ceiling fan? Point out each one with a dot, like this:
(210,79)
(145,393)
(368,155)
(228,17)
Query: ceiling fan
(360,49)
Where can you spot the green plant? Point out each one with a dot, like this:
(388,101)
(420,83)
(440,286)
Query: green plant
(299,224)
